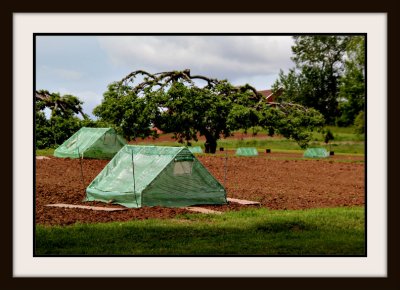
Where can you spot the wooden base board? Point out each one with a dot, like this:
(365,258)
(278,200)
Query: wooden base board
(85,207)
(202,210)
(42,157)
(242,201)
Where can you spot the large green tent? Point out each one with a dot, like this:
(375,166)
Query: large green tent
(101,143)
(155,176)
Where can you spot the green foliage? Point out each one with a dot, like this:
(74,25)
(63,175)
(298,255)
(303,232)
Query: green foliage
(329,76)
(63,127)
(314,82)
(243,117)
(54,131)
(352,83)
(292,122)
(62,123)
(130,114)
(330,231)
(359,123)
(44,137)
(65,106)
(192,110)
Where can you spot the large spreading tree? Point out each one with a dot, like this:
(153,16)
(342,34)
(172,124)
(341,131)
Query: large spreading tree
(191,105)
(328,76)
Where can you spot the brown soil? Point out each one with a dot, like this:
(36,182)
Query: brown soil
(269,179)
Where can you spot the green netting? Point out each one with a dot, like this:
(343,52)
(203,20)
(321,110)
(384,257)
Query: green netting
(195,149)
(100,143)
(155,176)
(316,153)
(246,151)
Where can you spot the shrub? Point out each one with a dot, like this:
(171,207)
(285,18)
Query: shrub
(359,123)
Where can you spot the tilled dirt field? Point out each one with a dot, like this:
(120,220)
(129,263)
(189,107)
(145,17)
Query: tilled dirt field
(276,183)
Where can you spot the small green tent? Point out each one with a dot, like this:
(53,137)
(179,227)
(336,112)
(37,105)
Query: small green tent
(246,151)
(101,143)
(316,153)
(155,176)
(195,149)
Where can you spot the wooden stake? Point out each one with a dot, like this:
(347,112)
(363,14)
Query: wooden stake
(80,161)
(225,167)
(133,175)
(225,171)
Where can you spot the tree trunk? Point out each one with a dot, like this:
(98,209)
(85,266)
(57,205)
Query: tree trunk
(210,145)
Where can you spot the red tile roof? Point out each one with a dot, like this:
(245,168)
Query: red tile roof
(269,96)
(265,93)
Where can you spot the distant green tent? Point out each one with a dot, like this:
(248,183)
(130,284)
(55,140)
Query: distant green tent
(100,143)
(155,176)
(246,151)
(195,149)
(316,153)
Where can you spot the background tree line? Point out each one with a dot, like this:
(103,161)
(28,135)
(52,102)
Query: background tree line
(329,76)
(326,86)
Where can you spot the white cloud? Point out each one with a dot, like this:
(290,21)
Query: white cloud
(62,73)
(228,57)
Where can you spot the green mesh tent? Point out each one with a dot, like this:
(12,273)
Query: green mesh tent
(316,153)
(155,176)
(101,143)
(195,149)
(246,151)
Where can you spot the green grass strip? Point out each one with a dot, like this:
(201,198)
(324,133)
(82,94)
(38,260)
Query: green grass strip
(330,231)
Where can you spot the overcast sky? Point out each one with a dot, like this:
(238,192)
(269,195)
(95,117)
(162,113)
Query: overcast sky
(84,65)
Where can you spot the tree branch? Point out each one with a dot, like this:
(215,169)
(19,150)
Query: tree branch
(59,102)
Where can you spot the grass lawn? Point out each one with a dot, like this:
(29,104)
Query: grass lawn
(285,145)
(330,231)
(45,152)
(345,142)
